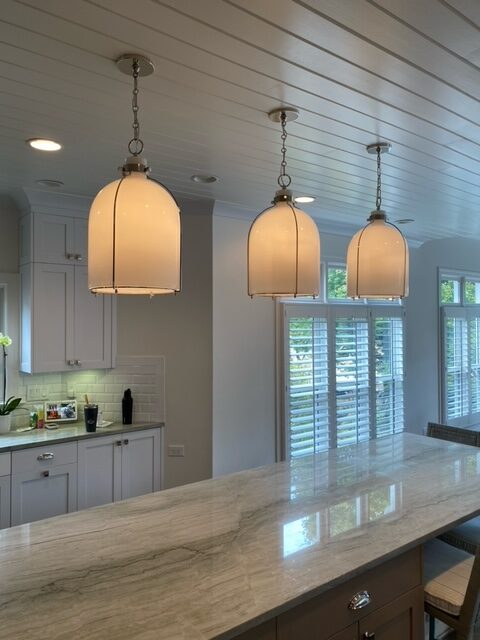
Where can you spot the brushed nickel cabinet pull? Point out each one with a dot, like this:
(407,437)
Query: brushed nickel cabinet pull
(71,362)
(125,441)
(367,635)
(360,600)
(78,256)
(78,362)
(69,256)
(45,474)
(118,443)
(46,456)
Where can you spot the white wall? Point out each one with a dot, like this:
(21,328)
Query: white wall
(8,236)
(243,357)
(422,336)
(180,328)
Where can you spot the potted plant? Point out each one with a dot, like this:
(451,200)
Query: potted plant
(9,404)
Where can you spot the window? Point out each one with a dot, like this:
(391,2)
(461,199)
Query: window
(459,299)
(336,282)
(344,375)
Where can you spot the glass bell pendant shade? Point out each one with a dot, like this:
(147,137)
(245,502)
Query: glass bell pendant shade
(283,253)
(134,238)
(377,262)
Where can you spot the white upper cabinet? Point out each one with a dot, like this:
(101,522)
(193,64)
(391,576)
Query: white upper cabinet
(58,239)
(64,326)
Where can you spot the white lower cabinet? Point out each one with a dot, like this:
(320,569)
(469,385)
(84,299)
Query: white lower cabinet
(118,467)
(46,481)
(99,471)
(140,463)
(43,494)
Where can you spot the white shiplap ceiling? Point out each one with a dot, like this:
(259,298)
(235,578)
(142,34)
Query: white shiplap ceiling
(407,72)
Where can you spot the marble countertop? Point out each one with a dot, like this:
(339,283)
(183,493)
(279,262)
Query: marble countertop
(38,437)
(214,558)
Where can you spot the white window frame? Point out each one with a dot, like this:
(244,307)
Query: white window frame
(464,310)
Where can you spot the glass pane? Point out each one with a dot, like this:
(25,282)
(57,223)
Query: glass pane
(389,375)
(474,352)
(352,383)
(337,283)
(456,367)
(307,386)
(472,292)
(449,290)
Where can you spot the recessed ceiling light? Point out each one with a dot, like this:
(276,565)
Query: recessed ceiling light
(404,220)
(304,199)
(51,184)
(43,144)
(203,179)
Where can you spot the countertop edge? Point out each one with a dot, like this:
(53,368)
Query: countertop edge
(110,431)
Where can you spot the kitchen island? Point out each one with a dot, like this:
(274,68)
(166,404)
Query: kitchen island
(219,557)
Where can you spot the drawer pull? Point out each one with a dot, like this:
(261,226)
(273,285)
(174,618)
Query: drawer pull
(125,441)
(367,635)
(360,600)
(45,474)
(118,443)
(78,256)
(46,456)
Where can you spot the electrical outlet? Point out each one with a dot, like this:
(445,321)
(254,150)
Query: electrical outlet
(71,394)
(176,450)
(44,393)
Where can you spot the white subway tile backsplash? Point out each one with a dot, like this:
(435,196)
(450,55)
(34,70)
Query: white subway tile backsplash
(144,375)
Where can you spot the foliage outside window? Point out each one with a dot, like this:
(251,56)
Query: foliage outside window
(336,282)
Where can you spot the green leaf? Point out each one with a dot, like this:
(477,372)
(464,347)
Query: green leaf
(10,405)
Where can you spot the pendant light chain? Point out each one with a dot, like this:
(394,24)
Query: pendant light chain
(379,180)
(135,146)
(284,179)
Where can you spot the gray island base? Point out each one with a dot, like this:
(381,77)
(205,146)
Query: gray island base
(273,552)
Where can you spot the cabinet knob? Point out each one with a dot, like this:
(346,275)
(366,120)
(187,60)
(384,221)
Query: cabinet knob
(78,256)
(360,600)
(69,256)
(118,443)
(78,363)
(71,362)
(46,456)
(45,474)
(125,441)
(367,635)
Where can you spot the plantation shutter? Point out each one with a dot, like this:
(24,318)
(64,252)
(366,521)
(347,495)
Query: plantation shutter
(352,410)
(474,361)
(307,383)
(456,363)
(389,373)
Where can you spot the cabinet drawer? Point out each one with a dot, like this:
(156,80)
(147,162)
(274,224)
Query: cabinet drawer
(44,457)
(5,464)
(323,615)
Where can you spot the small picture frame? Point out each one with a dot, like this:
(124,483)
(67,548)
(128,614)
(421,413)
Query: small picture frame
(61,411)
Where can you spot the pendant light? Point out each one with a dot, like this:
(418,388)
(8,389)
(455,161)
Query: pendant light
(134,231)
(283,254)
(377,258)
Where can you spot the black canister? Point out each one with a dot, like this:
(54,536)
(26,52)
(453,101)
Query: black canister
(127,407)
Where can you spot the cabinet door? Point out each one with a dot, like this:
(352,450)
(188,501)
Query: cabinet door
(401,619)
(351,633)
(4,502)
(93,325)
(81,240)
(140,463)
(52,318)
(43,494)
(54,239)
(99,471)
(266,631)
